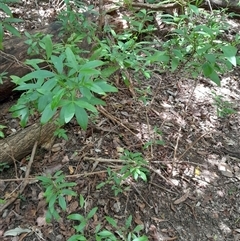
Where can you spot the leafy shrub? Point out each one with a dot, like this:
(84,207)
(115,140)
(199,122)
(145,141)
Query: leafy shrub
(6,23)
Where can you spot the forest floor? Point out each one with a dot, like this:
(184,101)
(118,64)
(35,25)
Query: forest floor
(192,193)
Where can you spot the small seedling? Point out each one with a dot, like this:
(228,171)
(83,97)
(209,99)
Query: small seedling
(224,108)
(56,190)
(1,132)
(133,167)
(82,220)
(3,165)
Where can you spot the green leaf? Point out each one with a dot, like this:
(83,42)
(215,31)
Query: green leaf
(58,63)
(71,59)
(48,45)
(159,56)
(68,111)
(89,67)
(85,105)
(43,101)
(97,89)
(24,113)
(194,8)
(62,202)
(57,98)
(48,216)
(106,87)
(129,221)
(138,228)
(52,202)
(81,201)
(76,217)
(211,58)
(86,92)
(47,114)
(67,184)
(34,62)
(92,212)
(207,69)
(89,71)
(12,30)
(25,86)
(68,192)
(174,64)
(49,84)
(6,9)
(96,101)
(43,179)
(77,237)
(12,20)
(81,226)
(215,78)
(105,73)
(37,74)
(112,221)
(55,215)
(106,233)
(230,54)
(82,117)
(143,238)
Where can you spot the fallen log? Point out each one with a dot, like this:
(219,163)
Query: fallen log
(17,146)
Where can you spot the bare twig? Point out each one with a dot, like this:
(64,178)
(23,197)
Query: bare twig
(191,146)
(25,181)
(159,6)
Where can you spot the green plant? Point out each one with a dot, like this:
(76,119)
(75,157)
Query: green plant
(156,140)
(124,233)
(3,165)
(1,132)
(69,86)
(2,77)
(56,190)
(224,108)
(75,19)
(133,167)
(8,20)
(194,48)
(145,94)
(2,201)
(83,221)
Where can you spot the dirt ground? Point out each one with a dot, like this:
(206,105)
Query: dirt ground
(192,192)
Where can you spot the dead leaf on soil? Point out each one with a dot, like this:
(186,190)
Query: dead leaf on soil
(41,221)
(137,219)
(71,170)
(16,231)
(73,206)
(158,220)
(225,169)
(183,198)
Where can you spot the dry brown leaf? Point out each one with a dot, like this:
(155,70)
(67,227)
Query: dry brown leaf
(182,198)
(73,206)
(71,169)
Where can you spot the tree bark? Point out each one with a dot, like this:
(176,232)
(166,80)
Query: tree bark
(17,146)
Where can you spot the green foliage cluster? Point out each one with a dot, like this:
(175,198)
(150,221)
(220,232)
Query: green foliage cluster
(56,190)
(8,21)
(134,167)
